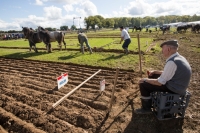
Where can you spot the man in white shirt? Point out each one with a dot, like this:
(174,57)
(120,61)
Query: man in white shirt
(174,78)
(126,38)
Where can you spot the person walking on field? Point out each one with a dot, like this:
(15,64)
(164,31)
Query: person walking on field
(174,78)
(126,38)
(82,38)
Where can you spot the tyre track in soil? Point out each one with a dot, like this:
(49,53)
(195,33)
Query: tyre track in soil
(29,90)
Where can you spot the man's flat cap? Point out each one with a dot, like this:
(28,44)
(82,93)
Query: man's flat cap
(171,42)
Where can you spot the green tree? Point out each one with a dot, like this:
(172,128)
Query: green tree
(136,21)
(100,21)
(149,21)
(195,18)
(50,29)
(92,21)
(87,23)
(108,23)
(64,27)
(123,22)
(116,22)
(73,27)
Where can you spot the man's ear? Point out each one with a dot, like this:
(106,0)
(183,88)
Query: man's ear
(169,48)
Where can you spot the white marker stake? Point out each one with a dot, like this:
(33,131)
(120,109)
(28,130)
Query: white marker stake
(72,91)
(62,80)
(102,85)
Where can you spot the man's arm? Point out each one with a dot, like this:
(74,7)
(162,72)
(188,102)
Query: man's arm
(155,72)
(166,75)
(150,81)
(122,38)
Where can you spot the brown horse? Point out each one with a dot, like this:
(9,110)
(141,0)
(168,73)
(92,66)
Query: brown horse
(37,37)
(55,36)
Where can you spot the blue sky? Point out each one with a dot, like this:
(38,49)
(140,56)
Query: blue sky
(55,13)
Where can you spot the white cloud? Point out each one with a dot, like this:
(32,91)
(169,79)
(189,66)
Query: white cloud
(53,12)
(68,8)
(8,26)
(89,8)
(69,2)
(138,8)
(38,2)
(171,7)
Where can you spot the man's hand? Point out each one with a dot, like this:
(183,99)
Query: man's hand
(150,81)
(151,73)
(142,80)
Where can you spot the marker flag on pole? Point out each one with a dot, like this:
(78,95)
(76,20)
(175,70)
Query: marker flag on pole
(62,80)
(102,85)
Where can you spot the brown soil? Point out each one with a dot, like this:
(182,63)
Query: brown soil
(28,89)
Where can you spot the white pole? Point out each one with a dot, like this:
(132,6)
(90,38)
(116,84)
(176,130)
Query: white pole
(72,91)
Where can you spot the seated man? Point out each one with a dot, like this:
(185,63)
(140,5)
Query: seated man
(174,78)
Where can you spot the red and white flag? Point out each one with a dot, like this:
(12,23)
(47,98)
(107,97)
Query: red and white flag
(62,80)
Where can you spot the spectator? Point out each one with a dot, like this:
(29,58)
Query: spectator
(126,37)
(174,78)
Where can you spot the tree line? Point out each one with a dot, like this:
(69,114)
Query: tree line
(100,22)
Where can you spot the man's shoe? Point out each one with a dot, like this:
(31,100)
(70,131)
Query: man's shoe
(146,107)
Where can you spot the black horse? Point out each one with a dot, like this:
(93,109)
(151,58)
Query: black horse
(37,37)
(196,28)
(164,29)
(137,28)
(182,28)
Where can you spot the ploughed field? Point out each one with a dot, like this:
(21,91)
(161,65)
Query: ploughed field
(29,89)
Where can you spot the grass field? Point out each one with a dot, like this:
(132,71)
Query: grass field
(94,42)
(96,59)
(103,40)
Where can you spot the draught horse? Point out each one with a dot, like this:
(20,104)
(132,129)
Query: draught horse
(55,36)
(137,28)
(36,37)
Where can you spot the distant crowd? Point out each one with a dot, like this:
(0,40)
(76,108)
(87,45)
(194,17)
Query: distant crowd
(13,36)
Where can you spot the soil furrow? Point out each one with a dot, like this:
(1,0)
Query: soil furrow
(14,124)
(48,123)
(36,98)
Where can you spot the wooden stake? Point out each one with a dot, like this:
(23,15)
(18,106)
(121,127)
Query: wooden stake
(113,90)
(72,91)
(138,37)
